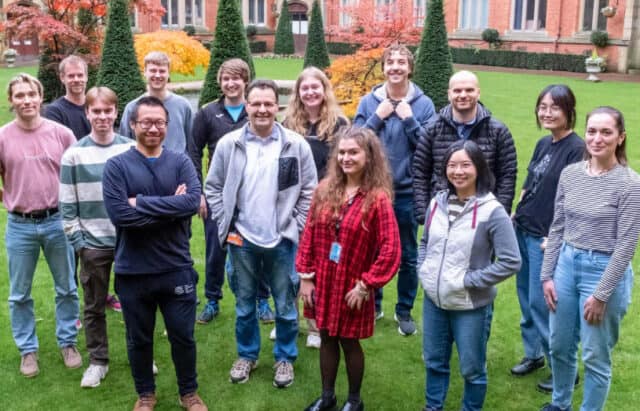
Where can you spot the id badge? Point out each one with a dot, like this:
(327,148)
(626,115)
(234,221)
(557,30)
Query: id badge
(334,254)
(234,238)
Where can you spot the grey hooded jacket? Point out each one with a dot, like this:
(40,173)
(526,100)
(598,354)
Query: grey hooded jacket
(296,181)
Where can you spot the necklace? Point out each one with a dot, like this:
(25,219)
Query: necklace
(595,173)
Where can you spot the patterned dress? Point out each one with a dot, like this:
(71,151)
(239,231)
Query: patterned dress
(370,252)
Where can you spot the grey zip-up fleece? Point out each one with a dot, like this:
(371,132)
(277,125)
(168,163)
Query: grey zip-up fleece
(296,181)
(455,262)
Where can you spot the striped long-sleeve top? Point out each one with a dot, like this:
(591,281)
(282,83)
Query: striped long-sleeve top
(85,219)
(600,213)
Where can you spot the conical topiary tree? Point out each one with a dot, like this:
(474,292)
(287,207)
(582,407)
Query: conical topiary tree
(230,41)
(119,68)
(316,53)
(284,35)
(433,66)
(48,76)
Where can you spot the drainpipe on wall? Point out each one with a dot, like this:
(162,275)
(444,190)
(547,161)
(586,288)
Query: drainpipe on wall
(555,42)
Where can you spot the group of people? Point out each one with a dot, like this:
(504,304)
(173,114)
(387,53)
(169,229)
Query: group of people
(315,209)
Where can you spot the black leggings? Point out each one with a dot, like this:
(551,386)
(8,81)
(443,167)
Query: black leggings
(330,359)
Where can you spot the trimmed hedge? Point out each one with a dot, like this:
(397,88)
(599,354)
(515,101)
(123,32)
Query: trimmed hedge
(341,48)
(316,53)
(519,59)
(259,46)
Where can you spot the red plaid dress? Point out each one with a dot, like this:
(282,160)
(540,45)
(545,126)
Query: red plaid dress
(371,254)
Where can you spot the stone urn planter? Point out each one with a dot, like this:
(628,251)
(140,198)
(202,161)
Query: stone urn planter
(594,65)
(9,56)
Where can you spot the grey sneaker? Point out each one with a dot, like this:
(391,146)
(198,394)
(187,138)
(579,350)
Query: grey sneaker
(71,357)
(241,369)
(29,365)
(283,375)
(379,315)
(94,375)
(406,325)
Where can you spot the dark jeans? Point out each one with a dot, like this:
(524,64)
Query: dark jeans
(407,274)
(215,264)
(175,294)
(95,270)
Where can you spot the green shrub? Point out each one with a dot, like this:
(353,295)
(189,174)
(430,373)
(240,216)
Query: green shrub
(251,30)
(600,38)
(284,36)
(519,59)
(259,46)
(189,29)
(119,68)
(341,48)
(48,76)
(491,35)
(316,53)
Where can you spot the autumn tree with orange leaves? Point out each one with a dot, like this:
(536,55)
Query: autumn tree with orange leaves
(65,27)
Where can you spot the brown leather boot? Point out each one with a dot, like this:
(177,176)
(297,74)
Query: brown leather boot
(146,402)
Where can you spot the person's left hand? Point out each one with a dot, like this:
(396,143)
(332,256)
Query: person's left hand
(403,110)
(355,297)
(594,310)
(202,208)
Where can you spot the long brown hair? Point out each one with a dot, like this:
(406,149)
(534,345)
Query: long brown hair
(297,118)
(376,176)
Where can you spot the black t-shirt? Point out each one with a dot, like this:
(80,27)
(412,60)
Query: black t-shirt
(534,213)
(320,148)
(68,114)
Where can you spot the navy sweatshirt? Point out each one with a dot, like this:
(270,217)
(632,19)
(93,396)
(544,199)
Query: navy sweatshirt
(153,237)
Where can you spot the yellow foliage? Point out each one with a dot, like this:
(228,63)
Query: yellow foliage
(185,53)
(354,76)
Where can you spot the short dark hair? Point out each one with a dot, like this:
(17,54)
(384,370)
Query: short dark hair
(621,149)
(485,180)
(562,97)
(263,84)
(147,101)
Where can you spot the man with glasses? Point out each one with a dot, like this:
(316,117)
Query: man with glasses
(150,194)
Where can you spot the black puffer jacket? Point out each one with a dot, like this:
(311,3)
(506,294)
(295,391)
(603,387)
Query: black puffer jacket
(493,138)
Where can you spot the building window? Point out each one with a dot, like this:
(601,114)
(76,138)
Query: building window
(474,14)
(345,17)
(592,19)
(256,12)
(180,13)
(419,12)
(529,14)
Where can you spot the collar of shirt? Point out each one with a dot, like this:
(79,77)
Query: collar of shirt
(274,136)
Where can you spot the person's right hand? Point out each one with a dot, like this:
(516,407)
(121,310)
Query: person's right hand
(385,108)
(307,290)
(181,190)
(550,296)
(202,208)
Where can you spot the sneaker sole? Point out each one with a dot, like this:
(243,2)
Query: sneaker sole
(31,375)
(277,385)
(89,385)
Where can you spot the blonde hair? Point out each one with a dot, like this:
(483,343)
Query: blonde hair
(72,60)
(236,67)
(103,93)
(25,78)
(376,176)
(296,116)
(158,58)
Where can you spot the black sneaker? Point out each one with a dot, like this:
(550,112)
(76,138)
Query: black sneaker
(551,407)
(406,325)
(527,366)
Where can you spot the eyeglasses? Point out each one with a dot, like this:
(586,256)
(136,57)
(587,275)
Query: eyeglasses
(147,124)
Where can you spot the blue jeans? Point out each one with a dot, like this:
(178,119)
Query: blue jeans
(250,262)
(24,238)
(470,330)
(407,274)
(534,324)
(576,276)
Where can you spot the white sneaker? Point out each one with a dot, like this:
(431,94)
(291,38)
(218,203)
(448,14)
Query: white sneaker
(272,334)
(155,368)
(313,341)
(93,375)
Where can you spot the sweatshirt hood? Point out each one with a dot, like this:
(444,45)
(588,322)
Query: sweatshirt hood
(380,92)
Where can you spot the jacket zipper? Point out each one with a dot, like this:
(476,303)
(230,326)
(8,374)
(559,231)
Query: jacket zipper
(444,252)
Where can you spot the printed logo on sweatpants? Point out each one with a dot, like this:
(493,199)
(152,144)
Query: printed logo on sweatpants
(184,289)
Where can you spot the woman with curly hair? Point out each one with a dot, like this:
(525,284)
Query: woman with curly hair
(349,247)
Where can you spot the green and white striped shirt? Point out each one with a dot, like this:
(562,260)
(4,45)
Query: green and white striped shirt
(85,218)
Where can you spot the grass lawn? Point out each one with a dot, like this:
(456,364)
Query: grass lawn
(394,378)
